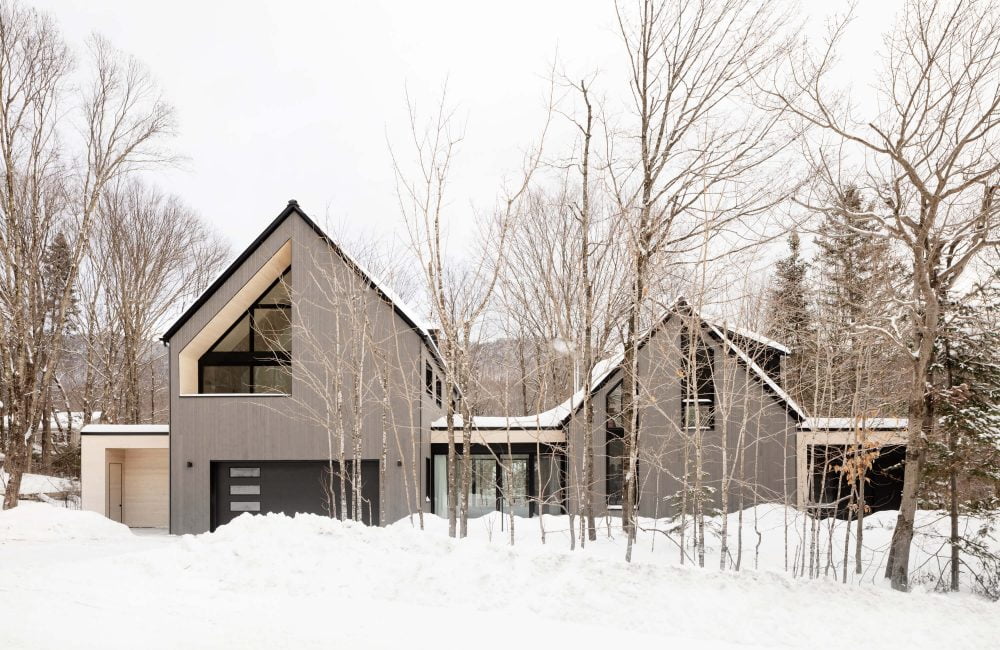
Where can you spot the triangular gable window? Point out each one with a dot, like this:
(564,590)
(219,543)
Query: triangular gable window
(255,354)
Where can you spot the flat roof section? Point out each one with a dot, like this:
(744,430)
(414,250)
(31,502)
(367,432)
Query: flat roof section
(125,430)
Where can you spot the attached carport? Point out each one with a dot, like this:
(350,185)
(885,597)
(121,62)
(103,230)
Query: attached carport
(125,473)
(824,444)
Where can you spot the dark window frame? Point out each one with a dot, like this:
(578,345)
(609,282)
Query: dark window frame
(615,431)
(250,358)
(609,420)
(704,393)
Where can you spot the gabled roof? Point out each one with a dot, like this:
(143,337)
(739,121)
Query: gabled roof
(749,335)
(604,370)
(382,289)
(765,378)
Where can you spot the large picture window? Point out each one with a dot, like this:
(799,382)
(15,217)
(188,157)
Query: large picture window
(615,457)
(254,355)
(698,396)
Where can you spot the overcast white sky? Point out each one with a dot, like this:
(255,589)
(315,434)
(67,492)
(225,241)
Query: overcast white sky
(295,99)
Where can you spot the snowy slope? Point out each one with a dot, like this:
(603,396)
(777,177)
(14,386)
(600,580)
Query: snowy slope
(311,582)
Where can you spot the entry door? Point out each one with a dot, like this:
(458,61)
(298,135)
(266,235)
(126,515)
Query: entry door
(115,491)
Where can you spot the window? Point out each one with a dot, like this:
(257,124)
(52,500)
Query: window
(613,407)
(697,398)
(615,458)
(437,392)
(254,355)
(499,482)
(615,461)
(429,379)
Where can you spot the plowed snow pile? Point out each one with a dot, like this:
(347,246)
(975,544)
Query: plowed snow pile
(311,582)
(38,522)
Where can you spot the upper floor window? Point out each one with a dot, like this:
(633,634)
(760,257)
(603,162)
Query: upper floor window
(432,384)
(613,407)
(254,354)
(697,385)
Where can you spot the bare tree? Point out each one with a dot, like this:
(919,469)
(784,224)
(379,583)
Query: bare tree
(928,148)
(690,63)
(154,253)
(459,292)
(49,187)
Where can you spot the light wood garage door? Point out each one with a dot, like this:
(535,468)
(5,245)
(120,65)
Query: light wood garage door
(146,488)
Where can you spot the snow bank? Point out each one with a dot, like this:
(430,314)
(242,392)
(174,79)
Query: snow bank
(768,537)
(40,522)
(316,557)
(40,484)
(312,582)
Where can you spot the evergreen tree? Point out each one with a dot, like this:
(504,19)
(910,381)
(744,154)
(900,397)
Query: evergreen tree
(967,398)
(790,315)
(859,276)
(57,272)
(962,468)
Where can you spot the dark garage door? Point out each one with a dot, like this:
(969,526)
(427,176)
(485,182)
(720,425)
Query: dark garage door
(288,487)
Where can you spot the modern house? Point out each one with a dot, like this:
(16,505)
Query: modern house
(722,397)
(297,375)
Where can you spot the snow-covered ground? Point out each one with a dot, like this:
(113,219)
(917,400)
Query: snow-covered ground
(73,579)
(32,484)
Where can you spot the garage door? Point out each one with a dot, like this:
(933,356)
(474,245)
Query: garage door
(289,487)
(145,486)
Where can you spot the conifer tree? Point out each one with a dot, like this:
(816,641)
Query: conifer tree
(790,315)
(855,292)
(963,455)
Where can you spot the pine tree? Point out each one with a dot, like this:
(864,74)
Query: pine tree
(57,270)
(856,294)
(790,315)
(963,456)
(57,267)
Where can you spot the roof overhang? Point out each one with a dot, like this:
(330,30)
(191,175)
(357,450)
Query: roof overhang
(552,436)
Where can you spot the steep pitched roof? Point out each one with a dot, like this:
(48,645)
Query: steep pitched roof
(382,289)
(604,370)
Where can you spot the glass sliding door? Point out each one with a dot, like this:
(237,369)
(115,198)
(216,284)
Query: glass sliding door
(483,491)
(514,485)
(500,482)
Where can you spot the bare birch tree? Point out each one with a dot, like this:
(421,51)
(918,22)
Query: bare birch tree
(459,292)
(690,64)
(154,253)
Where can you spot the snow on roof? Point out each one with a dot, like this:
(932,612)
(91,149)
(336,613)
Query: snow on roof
(763,376)
(551,419)
(748,334)
(387,290)
(119,429)
(849,424)
(557,416)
